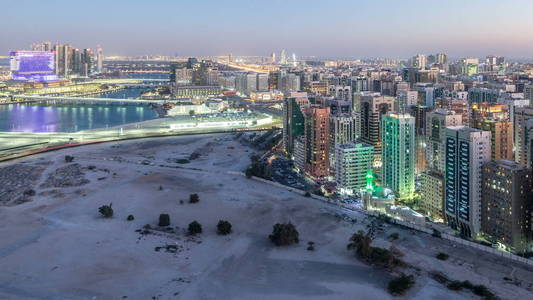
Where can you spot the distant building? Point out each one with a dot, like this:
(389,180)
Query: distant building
(507,202)
(467,149)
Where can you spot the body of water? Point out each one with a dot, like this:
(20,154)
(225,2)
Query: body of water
(42,117)
(69,118)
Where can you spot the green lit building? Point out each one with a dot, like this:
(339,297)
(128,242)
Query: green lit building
(293,121)
(398,154)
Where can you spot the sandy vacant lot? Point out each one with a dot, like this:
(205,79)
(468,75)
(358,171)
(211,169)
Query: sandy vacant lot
(55,245)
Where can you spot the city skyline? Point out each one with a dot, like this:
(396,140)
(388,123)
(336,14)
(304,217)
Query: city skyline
(334,29)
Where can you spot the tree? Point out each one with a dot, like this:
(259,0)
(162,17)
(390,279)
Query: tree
(164,220)
(106,210)
(360,242)
(284,234)
(310,246)
(194,228)
(191,112)
(400,285)
(131,218)
(223,227)
(194,198)
(69,158)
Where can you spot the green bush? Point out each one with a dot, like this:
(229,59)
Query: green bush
(284,235)
(442,256)
(131,218)
(194,198)
(223,227)
(106,210)
(400,285)
(164,220)
(195,228)
(69,158)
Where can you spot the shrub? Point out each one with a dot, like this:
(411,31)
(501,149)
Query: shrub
(194,198)
(106,210)
(436,233)
(440,278)
(131,218)
(194,228)
(69,158)
(442,256)
(394,236)
(182,161)
(400,285)
(29,192)
(307,194)
(483,291)
(284,234)
(455,285)
(223,227)
(164,220)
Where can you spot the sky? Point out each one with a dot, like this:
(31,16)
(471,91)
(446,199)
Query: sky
(325,28)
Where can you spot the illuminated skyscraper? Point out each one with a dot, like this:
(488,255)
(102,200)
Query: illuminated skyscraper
(316,142)
(398,154)
(467,149)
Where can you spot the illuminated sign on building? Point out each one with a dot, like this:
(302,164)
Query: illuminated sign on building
(32,66)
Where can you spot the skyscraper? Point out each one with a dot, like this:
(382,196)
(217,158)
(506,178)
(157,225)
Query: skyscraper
(344,129)
(522,134)
(316,142)
(467,149)
(437,121)
(283,57)
(352,164)
(372,108)
(99,60)
(293,120)
(398,169)
(506,204)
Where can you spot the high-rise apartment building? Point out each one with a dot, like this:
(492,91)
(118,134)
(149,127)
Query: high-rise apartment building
(352,164)
(372,108)
(437,121)
(293,120)
(507,201)
(467,150)
(344,129)
(398,154)
(316,131)
(432,194)
(522,115)
(501,137)
(404,100)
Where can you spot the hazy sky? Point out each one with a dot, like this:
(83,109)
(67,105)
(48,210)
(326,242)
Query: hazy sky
(335,28)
